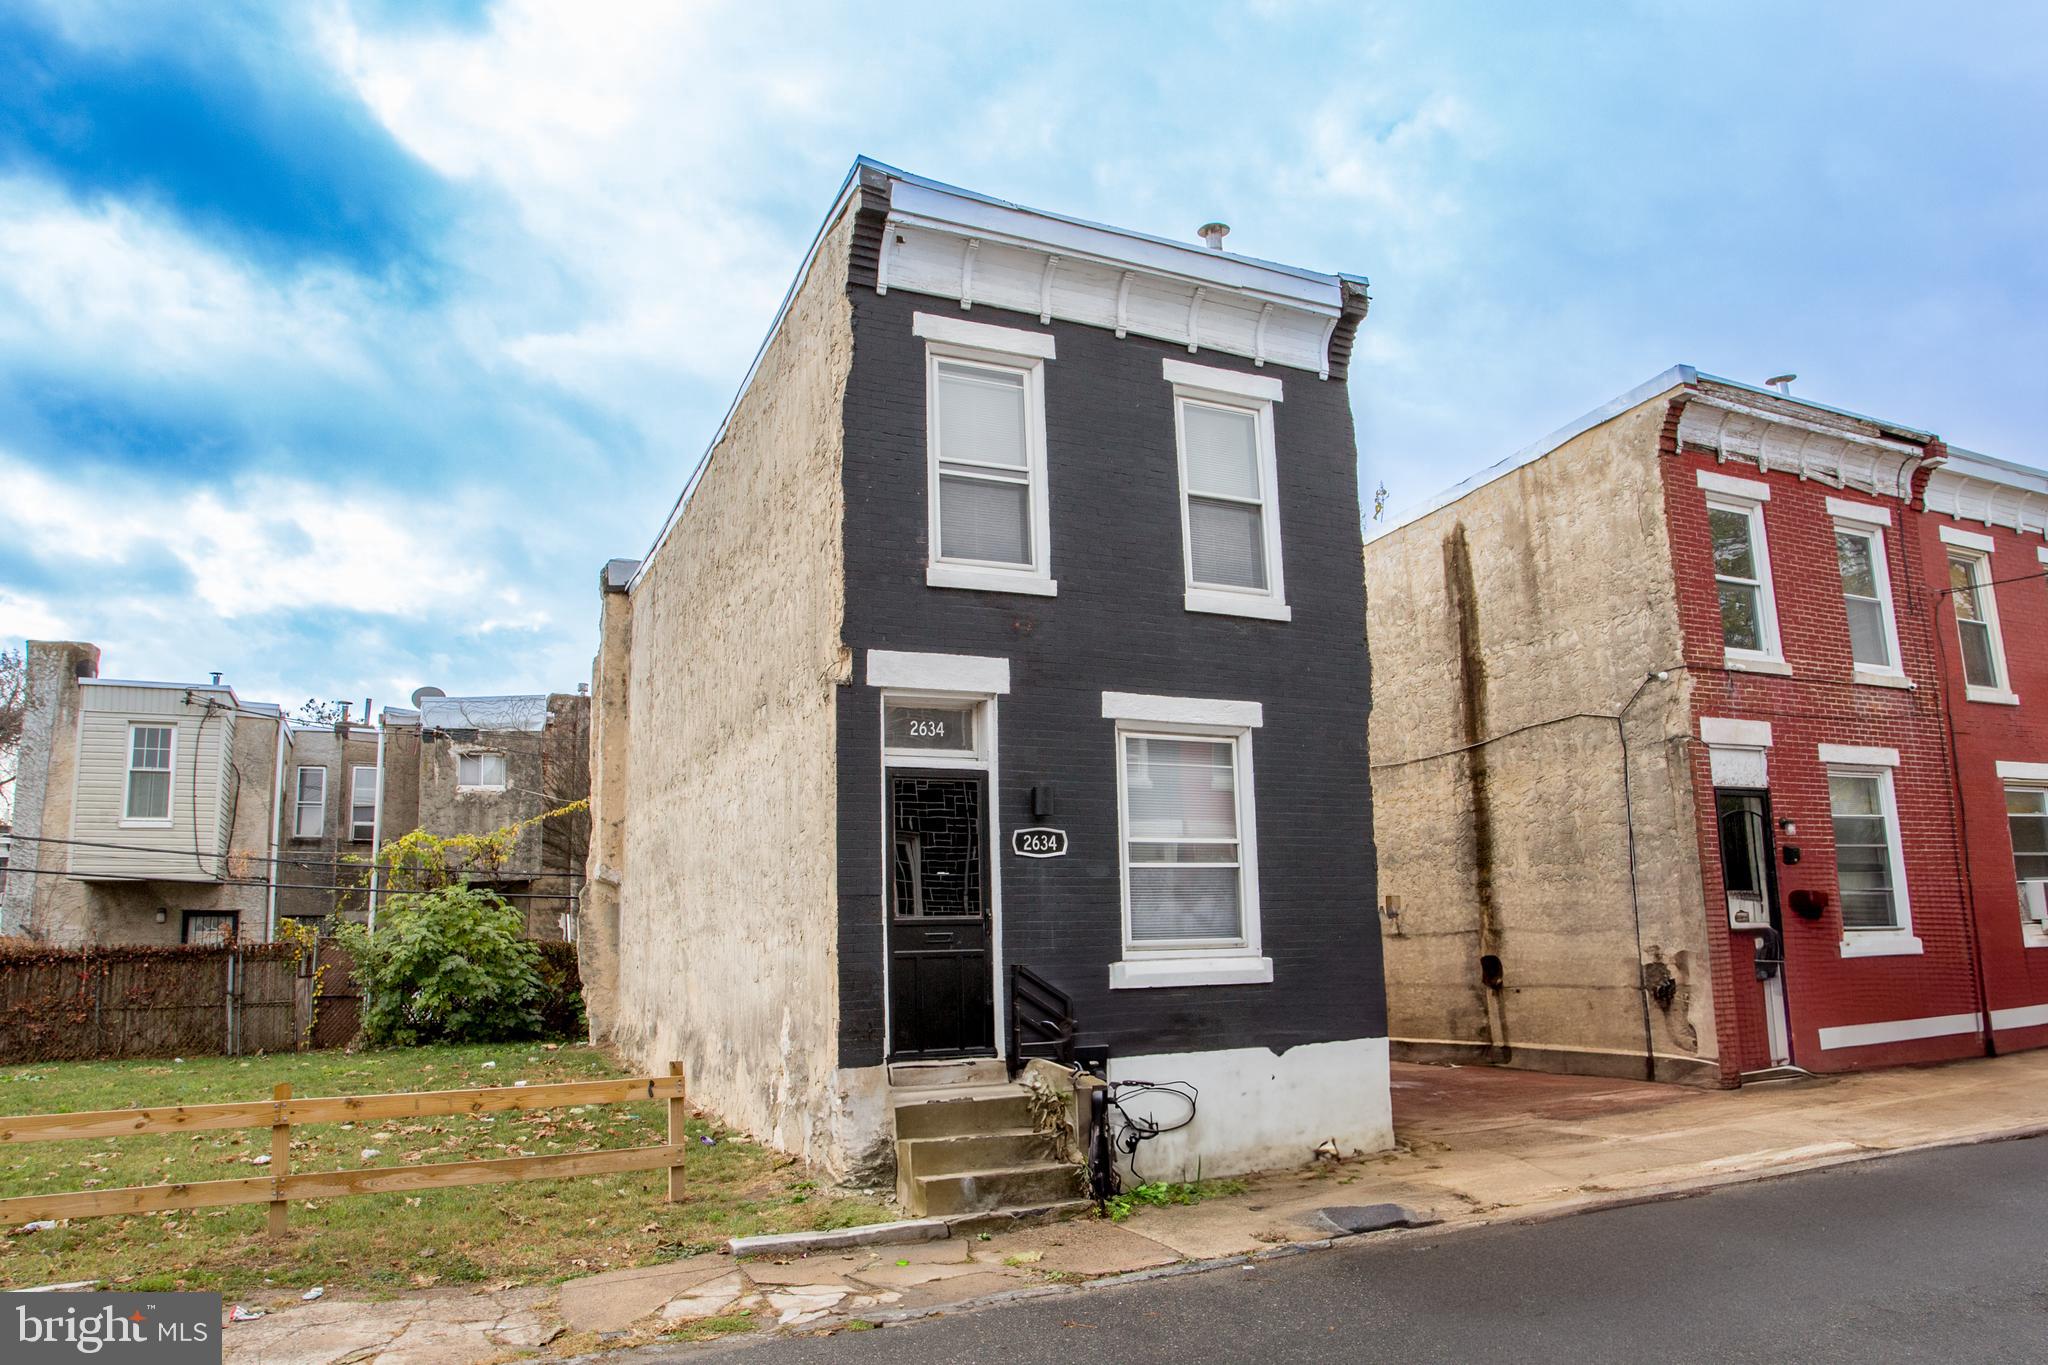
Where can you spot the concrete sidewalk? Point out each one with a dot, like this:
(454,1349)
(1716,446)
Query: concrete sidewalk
(1476,1145)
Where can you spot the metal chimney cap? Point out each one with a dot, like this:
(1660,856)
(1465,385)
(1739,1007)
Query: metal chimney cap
(1213,234)
(1781,382)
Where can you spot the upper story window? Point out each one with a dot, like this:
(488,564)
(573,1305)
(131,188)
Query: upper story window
(1230,514)
(151,749)
(1866,589)
(989,525)
(1976,609)
(309,803)
(1742,571)
(480,771)
(362,804)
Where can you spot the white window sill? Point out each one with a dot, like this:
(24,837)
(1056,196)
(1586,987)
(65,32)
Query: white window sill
(1141,973)
(1881,943)
(1997,696)
(145,824)
(2034,935)
(490,791)
(1238,604)
(1751,663)
(989,580)
(1871,678)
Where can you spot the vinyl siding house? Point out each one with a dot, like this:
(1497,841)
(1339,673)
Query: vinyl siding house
(144,812)
(1012,623)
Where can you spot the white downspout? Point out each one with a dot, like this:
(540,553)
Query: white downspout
(377,829)
(276,816)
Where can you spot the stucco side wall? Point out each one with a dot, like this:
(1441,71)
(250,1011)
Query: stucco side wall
(1541,600)
(37,903)
(727,897)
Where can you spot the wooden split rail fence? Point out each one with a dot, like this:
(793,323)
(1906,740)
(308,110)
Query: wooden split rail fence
(281,1113)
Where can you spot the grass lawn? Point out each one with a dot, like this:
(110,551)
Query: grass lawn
(537,1230)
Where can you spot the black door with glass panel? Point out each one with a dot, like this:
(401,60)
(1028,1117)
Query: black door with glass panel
(938,901)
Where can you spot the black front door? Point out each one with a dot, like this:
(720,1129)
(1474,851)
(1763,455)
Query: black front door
(939,897)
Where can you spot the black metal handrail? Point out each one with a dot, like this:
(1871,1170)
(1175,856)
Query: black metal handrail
(1041,1021)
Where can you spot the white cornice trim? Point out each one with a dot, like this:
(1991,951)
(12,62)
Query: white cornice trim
(1238,715)
(1181,374)
(974,673)
(1968,540)
(1841,509)
(1771,440)
(1859,755)
(1746,734)
(982,336)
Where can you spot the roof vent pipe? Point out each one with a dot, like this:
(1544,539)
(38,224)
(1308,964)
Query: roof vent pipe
(1781,382)
(216,678)
(1212,234)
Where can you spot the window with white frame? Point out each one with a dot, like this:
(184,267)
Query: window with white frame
(1867,597)
(151,758)
(1742,577)
(1983,653)
(1230,516)
(362,804)
(985,429)
(309,803)
(1185,807)
(1869,867)
(2026,816)
(480,771)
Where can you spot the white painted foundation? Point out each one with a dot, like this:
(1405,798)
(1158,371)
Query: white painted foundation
(1261,1110)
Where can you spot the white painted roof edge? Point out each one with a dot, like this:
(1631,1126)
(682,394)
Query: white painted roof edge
(967,210)
(1678,376)
(1976,465)
(1323,292)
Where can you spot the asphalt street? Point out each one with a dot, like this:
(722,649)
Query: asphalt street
(1937,1256)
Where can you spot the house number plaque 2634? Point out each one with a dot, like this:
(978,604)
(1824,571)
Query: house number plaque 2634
(1039,842)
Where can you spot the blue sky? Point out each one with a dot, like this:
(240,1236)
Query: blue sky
(341,344)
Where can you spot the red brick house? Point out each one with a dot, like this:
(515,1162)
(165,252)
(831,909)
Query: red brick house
(1740,750)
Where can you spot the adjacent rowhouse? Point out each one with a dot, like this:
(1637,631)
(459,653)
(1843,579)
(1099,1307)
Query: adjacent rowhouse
(1699,752)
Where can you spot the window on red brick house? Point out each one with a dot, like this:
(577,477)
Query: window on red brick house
(1976,620)
(1866,849)
(2026,815)
(1866,593)
(1742,575)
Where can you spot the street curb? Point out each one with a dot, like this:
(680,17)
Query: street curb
(1527,1215)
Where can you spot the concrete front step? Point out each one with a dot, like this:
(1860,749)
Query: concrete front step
(917,1157)
(1009,1187)
(969,1071)
(994,1109)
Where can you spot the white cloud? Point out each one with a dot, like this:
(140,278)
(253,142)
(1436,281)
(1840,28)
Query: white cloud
(261,544)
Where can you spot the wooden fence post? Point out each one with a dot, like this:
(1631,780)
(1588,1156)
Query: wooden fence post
(280,1158)
(678,1133)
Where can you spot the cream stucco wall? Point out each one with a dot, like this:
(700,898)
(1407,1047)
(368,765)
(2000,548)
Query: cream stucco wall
(725,862)
(1545,593)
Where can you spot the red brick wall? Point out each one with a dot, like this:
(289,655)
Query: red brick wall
(1821,704)
(1986,733)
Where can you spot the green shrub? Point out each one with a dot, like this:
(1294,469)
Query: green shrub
(451,965)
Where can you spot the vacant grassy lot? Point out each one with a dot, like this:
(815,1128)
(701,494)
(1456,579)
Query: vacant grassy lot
(533,1231)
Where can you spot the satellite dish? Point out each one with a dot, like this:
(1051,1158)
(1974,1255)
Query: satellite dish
(421,693)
